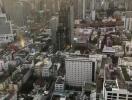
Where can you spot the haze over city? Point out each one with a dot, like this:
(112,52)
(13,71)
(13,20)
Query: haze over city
(65,49)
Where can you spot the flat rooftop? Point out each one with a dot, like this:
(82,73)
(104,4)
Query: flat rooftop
(89,87)
(59,98)
(117,79)
(60,80)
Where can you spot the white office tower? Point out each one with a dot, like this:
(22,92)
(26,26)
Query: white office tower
(80,70)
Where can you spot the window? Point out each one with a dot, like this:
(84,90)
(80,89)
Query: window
(122,98)
(114,94)
(122,95)
(108,96)
(129,95)
(114,98)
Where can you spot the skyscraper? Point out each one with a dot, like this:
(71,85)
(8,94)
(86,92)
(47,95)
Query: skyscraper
(66,24)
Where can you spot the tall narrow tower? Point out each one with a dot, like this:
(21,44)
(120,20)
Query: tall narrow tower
(84,8)
(93,10)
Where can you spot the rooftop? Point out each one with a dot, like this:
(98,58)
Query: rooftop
(109,85)
(7,95)
(108,50)
(59,98)
(89,87)
(4,77)
(19,75)
(100,24)
(60,80)
(117,78)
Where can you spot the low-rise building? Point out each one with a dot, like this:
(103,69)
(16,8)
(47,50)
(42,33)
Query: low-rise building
(60,84)
(46,68)
(88,91)
(118,50)
(10,95)
(38,68)
(128,47)
(109,50)
(42,68)
(117,83)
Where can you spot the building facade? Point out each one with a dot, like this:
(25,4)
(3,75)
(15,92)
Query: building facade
(60,84)
(80,70)
(6,34)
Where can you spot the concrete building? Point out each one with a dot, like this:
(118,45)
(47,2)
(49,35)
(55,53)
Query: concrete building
(82,35)
(117,81)
(46,67)
(53,25)
(6,34)
(127,18)
(78,8)
(17,11)
(98,58)
(128,47)
(9,7)
(42,68)
(8,96)
(116,93)
(80,70)
(88,91)
(81,8)
(38,68)
(66,24)
(60,84)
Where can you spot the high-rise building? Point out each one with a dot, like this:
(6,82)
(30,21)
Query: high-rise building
(6,34)
(23,11)
(9,6)
(60,38)
(70,26)
(17,11)
(80,70)
(79,8)
(66,24)
(53,25)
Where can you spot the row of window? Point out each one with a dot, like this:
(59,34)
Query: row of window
(121,96)
(84,64)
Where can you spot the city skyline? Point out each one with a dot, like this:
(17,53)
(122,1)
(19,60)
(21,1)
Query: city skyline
(65,50)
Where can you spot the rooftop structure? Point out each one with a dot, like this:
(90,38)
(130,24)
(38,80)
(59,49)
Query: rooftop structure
(82,35)
(108,50)
(117,82)
(100,24)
